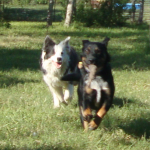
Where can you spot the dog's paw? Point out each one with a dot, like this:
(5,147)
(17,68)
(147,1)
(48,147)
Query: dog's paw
(92,125)
(65,102)
(95,123)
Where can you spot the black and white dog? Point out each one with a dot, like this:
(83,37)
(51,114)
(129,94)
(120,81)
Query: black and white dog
(56,61)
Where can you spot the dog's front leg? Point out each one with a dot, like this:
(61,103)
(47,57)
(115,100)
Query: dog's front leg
(57,93)
(103,110)
(69,93)
(87,114)
(98,118)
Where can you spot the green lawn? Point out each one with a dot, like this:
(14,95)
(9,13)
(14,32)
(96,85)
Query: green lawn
(27,118)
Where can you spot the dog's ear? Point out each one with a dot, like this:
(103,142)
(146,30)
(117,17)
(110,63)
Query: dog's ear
(47,43)
(85,41)
(105,41)
(66,41)
(66,44)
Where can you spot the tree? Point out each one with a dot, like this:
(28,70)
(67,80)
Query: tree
(133,11)
(140,20)
(69,13)
(50,13)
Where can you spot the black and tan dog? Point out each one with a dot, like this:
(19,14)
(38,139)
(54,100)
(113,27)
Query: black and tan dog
(96,85)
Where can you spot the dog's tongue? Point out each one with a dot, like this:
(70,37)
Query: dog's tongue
(57,65)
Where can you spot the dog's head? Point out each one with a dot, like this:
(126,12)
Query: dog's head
(56,53)
(95,53)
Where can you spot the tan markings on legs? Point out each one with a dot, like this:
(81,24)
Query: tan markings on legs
(85,125)
(100,114)
(84,122)
(102,111)
(95,123)
(87,112)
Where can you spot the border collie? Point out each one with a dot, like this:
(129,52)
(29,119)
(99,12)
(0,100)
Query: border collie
(56,61)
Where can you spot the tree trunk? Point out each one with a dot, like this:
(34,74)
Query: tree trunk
(69,13)
(50,13)
(140,20)
(1,6)
(74,8)
(133,11)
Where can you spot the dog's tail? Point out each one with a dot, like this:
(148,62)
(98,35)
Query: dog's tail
(71,77)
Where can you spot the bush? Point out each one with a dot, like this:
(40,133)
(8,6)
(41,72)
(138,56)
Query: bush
(41,1)
(4,16)
(109,14)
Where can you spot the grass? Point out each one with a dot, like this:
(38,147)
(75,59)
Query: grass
(27,118)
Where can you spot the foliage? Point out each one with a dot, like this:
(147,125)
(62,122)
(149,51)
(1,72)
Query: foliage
(41,1)
(108,14)
(64,4)
(4,15)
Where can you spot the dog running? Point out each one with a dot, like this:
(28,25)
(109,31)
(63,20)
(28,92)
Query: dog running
(96,85)
(56,61)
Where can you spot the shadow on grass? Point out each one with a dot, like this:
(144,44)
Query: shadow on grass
(132,58)
(120,102)
(7,81)
(138,127)
(21,59)
(44,147)
(138,59)
(26,14)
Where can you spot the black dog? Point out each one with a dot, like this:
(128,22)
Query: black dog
(96,85)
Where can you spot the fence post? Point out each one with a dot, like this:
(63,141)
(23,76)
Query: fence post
(133,11)
(140,20)
(50,13)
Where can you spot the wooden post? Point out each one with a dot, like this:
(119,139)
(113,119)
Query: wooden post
(133,11)
(140,20)
(69,12)
(50,13)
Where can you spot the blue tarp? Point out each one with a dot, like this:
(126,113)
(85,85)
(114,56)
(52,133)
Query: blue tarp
(129,6)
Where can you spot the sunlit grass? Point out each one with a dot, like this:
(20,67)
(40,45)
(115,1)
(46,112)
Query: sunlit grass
(28,120)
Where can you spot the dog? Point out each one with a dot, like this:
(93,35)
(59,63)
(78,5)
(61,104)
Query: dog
(56,61)
(96,85)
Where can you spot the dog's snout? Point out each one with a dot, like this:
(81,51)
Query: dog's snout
(59,59)
(91,61)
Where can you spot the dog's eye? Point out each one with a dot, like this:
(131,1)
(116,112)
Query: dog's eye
(87,51)
(62,53)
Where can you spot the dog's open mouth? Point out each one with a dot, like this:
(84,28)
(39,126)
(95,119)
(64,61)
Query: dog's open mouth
(57,64)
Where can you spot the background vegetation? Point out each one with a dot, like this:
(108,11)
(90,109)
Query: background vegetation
(27,117)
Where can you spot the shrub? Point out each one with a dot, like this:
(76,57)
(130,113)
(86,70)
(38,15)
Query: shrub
(41,1)
(4,15)
(108,14)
